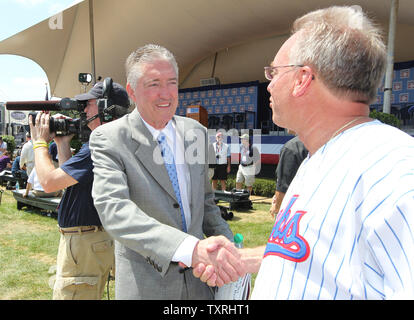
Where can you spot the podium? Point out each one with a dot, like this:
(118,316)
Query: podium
(198,113)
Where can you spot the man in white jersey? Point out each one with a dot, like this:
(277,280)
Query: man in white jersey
(345,227)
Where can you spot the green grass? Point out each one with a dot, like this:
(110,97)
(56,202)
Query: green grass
(29,242)
(255,225)
(28,247)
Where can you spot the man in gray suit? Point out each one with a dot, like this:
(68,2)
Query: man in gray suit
(157,203)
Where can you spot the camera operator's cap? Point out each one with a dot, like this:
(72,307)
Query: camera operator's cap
(245,136)
(119,96)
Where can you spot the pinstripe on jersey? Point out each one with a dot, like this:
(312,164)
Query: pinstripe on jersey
(355,196)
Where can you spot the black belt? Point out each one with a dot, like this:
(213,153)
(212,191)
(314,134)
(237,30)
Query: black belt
(182,270)
(246,165)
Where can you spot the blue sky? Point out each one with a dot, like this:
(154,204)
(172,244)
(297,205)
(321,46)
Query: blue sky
(21,78)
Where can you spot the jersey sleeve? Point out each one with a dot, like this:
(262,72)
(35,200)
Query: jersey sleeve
(390,239)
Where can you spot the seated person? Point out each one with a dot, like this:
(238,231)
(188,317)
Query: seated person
(54,153)
(33,182)
(5,162)
(16,171)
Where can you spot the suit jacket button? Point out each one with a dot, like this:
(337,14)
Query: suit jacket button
(176,205)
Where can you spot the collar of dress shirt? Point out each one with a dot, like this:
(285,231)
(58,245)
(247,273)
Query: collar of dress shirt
(168,130)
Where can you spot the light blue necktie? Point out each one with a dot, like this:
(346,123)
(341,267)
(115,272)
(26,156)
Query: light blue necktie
(169,163)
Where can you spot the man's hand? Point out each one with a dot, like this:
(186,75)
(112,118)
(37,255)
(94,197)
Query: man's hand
(273,210)
(219,258)
(63,140)
(276,203)
(28,188)
(250,258)
(40,131)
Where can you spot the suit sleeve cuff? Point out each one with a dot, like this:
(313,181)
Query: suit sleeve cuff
(184,252)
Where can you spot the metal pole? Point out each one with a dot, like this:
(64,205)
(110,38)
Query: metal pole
(214,65)
(92,39)
(390,57)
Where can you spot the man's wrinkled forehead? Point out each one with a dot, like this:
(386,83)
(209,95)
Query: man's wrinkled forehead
(157,70)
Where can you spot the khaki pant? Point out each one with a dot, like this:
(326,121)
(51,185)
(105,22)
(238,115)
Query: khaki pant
(246,175)
(83,264)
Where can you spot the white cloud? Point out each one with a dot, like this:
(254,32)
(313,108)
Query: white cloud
(30,81)
(24,89)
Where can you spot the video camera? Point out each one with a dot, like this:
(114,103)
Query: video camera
(107,111)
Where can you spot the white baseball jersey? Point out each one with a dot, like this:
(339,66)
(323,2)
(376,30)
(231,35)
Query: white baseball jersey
(345,229)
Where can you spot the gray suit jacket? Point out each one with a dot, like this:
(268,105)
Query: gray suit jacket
(137,206)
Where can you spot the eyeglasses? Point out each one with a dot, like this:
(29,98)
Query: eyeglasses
(271,72)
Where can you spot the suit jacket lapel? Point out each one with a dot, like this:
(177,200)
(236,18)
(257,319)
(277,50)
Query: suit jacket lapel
(148,152)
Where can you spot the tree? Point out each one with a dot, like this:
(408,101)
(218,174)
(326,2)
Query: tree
(11,144)
(386,118)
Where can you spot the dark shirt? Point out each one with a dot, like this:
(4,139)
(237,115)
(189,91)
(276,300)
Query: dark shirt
(4,160)
(76,207)
(16,165)
(53,151)
(291,156)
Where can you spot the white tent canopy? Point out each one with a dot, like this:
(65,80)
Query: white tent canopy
(232,39)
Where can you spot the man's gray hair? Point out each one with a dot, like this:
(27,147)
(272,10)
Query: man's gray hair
(345,49)
(146,54)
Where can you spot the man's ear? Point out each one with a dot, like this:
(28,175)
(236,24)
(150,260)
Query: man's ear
(302,81)
(130,92)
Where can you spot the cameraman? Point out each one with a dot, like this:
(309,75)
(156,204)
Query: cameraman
(85,255)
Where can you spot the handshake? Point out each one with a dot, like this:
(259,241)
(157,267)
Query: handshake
(217,261)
